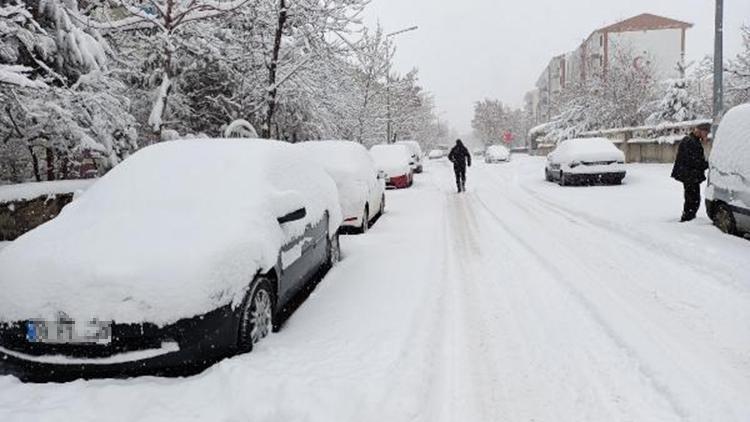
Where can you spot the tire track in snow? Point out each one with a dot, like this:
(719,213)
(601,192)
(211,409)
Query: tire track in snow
(655,327)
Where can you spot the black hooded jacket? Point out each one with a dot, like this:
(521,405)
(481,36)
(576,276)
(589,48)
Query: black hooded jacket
(690,165)
(460,156)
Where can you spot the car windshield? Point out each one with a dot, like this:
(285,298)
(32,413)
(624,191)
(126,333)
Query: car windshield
(374,210)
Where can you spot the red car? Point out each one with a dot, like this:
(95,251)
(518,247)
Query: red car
(395,161)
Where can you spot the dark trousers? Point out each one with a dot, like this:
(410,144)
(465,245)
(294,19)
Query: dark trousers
(460,177)
(692,200)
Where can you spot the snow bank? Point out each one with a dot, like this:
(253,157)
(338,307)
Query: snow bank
(731,151)
(27,191)
(392,159)
(350,166)
(587,150)
(176,230)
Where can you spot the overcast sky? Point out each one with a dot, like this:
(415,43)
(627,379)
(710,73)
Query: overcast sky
(472,49)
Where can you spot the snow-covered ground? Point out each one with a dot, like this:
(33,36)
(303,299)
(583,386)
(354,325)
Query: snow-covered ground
(519,300)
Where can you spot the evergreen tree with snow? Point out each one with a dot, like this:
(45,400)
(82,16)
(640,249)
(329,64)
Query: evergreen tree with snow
(677,104)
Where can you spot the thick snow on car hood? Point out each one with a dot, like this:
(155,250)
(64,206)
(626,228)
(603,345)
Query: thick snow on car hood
(498,152)
(587,150)
(350,166)
(175,231)
(392,159)
(731,153)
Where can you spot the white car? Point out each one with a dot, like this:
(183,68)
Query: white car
(728,191)
(497,154)
(395,162)
(416,154)
(586,160)
(361,187)
(187,252)
(436,154)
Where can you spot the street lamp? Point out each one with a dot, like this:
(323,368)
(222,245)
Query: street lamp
(718,64)
(388,80)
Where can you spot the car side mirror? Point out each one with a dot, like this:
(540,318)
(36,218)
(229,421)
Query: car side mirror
(293,216)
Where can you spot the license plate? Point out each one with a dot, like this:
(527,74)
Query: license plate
(69,332)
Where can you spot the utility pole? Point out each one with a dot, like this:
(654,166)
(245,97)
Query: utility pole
(389,123)
(718,65)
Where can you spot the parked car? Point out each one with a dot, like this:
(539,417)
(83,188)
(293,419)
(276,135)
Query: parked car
(394,160)
(416,154)
(497,154)
(590,160)
(361,186)
(185,253)
(479,152)
(728,191)
(436,154)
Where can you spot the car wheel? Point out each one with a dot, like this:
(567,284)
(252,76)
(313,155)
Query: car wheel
(382,206)
(257,317)
(365,227)
(547,175)
(724,219)
(334,251)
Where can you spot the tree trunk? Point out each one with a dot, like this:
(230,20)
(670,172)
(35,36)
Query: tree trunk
(35,164)
(273,69)
(50,164)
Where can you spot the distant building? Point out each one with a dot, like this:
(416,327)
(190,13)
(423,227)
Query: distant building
(653,40)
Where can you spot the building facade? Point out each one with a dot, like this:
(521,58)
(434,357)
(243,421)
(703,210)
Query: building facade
(648,40)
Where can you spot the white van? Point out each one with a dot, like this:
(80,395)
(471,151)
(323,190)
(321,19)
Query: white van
(728,192)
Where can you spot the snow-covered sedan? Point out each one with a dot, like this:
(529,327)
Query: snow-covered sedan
(361,187)
(728,191)
(436,154)
(185,253)
(394,161)
(416,155)
(589,160)
(497,154)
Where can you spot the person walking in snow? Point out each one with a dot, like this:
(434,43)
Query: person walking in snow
(690,168)
(461,158)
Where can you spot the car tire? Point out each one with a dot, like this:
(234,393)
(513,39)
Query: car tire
(334,251)
(724,219)
(257,314)
(382,207)
(365,227)
(547,175)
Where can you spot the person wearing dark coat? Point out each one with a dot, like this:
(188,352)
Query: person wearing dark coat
(690,168)
(461,158)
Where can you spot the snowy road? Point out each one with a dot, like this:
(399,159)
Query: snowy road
(516,301)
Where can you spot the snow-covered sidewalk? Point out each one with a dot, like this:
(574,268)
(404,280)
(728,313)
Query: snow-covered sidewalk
(519,300)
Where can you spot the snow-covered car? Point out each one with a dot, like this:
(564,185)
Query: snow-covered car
(436,154)
(187,252)
(728,191)
(497,154)
(361,186)
(479,152)
(395,162)
(587,160)
(416,155)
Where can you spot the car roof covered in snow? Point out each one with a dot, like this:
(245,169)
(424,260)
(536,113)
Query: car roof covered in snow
(176,230)
(731,151)
(340,158)
(498,150)
(413,146)
(587,149)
